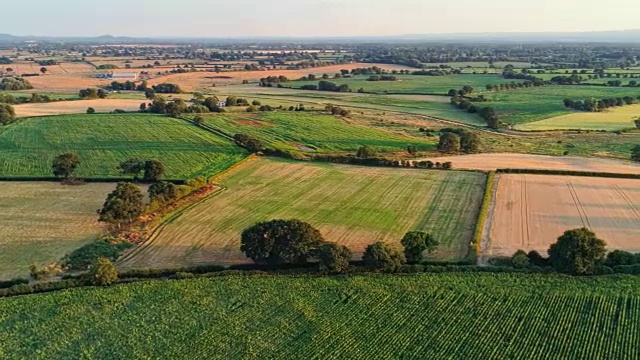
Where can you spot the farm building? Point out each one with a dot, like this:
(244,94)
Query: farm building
(117,76)
(125,75)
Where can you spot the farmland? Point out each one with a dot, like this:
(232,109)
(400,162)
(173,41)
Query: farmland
(414,84)
(527,105)
(430,316)
(488,162)
(611,120)
(76,107)
(204,81)
(354,206)
(531,211)
(103,141)
(41,222)
(324,133)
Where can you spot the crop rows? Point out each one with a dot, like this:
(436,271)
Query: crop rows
(363,317)
(103,141)
(355,206)
(322,132)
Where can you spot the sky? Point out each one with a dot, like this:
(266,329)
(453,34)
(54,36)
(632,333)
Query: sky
(214,18)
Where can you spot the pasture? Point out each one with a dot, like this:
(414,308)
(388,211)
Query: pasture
(413,84)
(527,105)
(611,120)
(421,316)
(43,221)
(296,131)
(104,140)
(351,205)
(532,211)
(76,107)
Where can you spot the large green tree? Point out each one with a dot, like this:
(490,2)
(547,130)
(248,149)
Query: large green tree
(123,205)
(153,170)
(449,143)
(280,242)
(381,256)
(577,251)
(635,153)
(133,167)
(7,114)
(334,257)
(64,165)
(415,243)
(469,142)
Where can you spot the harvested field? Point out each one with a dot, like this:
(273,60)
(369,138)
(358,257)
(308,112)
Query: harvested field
(76,107)
(351,205)
(60,69)
(42,221)
(531,211)
(199,81)
(488,162)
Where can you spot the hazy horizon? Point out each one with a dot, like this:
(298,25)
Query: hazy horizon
(309,18)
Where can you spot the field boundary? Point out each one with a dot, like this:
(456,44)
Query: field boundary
(483,215)
(82,179)
(173,215)
(568,173)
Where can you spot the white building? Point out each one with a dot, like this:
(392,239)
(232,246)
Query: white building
(124,75)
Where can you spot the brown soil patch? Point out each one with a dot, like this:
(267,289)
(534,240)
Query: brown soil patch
(487,162)
(76,107)
(532,211)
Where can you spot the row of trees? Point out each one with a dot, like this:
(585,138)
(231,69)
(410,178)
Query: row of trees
(577,252)
(382,78)
(594,105)
(272,81)
(7,114)
(487,113)
(282,242)
(93,94)
(15,83)
(327,86)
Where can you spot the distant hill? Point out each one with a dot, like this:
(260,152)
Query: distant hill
(622,36)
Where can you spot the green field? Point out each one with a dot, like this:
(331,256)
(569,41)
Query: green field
(528,105)
(43,221)
(352,205)
(424,316)
(414,84)
(617,118)
(324,133)
(103,141)
(427,105)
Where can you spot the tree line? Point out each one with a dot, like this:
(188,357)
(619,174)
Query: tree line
(595,105)
(294,242)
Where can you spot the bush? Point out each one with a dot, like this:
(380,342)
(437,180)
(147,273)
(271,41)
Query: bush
(104,272)
(91,110)
(520,260)
(82,258)
(381,256)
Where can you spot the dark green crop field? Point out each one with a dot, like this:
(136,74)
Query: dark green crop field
(302,130)
(424,316)
(414,84)
(103,141)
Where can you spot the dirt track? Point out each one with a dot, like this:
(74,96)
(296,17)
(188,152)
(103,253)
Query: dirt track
(488,162)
